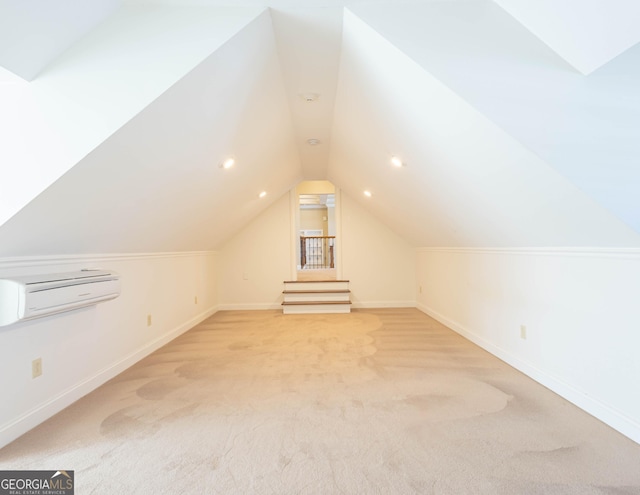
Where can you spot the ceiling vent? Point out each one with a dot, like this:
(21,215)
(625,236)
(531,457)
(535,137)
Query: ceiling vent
(309,97)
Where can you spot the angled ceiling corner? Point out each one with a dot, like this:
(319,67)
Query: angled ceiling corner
(308,38)
(587,34)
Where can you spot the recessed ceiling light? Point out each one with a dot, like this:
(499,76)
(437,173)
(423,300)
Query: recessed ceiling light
(367,194)
(262,194)
(396,162)
(228,163)
(313,142)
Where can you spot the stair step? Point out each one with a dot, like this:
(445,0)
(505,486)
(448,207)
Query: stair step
(311,285)
(314,307)
(318,291)
(302,303)
(316,296)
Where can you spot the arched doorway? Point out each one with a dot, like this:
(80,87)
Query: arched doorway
(316,231)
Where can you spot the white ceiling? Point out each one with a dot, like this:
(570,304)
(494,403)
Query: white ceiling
(309,48)
(156,184)
(96,86)
(506,144)
(585,127)
(465,180)
(33,33)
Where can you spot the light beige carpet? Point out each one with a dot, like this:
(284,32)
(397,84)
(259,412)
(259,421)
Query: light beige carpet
(372,402)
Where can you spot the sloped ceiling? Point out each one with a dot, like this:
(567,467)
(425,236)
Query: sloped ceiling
(33,33)
(466,182)
(96,86)
(309,48)
(505,142)
(585,127)
(156,184)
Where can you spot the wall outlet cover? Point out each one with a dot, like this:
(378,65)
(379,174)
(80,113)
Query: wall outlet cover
(36,367)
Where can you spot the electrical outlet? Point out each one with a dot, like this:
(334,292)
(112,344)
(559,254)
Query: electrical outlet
(195,301)
(420,289)
(36,368)
(148,320)
(245,276)
(523,332)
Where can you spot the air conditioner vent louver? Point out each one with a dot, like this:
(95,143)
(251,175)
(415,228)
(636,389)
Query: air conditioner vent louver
(36,296)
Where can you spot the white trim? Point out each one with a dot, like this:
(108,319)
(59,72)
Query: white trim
(46,410)
(383,304)
(596,408)
(248,306)
(604,252)
(355,305)
(338,241)
(68,259)
(293,225)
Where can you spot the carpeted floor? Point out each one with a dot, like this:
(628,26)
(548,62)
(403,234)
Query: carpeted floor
(372,402)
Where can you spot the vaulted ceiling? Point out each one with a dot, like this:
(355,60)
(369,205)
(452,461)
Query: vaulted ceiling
(517,124)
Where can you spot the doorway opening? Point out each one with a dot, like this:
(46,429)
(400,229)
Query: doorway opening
(316,231)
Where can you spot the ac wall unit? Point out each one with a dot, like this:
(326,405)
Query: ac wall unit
(35,296)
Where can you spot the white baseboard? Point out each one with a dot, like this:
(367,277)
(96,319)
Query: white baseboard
(355,305)
(600,410)
(248,306)
(382,304)
(44,411)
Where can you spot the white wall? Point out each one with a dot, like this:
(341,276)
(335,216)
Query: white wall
(314,219)
(255,262)
(379,264)
(82,349)
(579,308)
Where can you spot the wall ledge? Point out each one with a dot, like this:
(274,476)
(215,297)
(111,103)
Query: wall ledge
(64,259)
(600,252)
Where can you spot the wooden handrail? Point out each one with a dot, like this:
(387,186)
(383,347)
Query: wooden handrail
(317,251)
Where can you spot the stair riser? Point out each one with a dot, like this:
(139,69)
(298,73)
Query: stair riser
(318,309)
(316,297)
(304,286)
